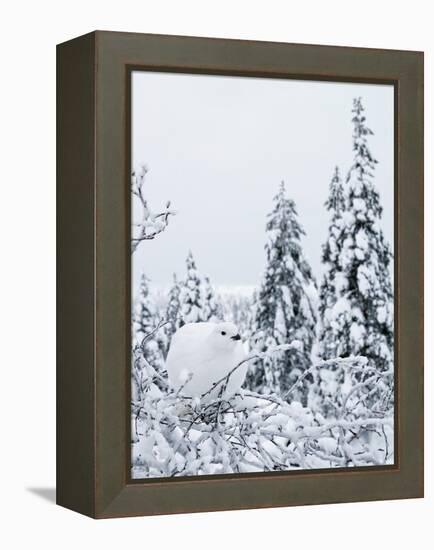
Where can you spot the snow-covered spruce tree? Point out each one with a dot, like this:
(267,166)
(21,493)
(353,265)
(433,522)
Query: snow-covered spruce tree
(173,310)
(212,307)
(198,300)
(238,310)
(332,274)
(362,316)
(190,296)
(146,319)
(286,308)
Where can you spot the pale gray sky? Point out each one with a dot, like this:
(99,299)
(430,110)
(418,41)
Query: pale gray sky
(218,147)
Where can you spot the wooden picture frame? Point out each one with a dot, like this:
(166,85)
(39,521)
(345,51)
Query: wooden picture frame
(93,363)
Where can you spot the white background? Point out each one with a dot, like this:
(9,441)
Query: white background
(29,32)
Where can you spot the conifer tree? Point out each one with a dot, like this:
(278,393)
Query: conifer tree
(238,310)
(362,316)
(145,310)
(198,300)
(191,294)
(212,308)
(332,275)
(173,310)
(286,303)
(146,320)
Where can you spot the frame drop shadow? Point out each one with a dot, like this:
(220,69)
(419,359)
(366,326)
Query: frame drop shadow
(46,493)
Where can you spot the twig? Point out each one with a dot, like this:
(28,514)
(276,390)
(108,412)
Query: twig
(157,222)
(258,355)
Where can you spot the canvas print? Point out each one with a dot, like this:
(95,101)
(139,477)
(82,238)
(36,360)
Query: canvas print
(262,314)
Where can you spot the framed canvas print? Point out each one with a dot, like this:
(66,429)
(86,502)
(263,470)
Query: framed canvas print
(240,274)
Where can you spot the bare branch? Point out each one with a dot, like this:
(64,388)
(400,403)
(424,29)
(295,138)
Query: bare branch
(256,355)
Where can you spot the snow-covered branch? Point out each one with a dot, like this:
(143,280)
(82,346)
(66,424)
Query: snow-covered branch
(178,436)
(151,223)
(257,355)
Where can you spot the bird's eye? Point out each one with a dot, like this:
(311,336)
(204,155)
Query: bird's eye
(223,333)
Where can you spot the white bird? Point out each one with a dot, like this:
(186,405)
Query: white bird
(201,355)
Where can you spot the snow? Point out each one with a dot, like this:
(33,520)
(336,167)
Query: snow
(360,208)
(342,305)
(357,332)
(362,240)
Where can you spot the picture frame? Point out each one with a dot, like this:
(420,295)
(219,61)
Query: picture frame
(94,273)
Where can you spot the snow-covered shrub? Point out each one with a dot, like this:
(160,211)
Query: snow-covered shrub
(177,436)
(351,387)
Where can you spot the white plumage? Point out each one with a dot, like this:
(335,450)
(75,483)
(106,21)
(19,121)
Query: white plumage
(201,354)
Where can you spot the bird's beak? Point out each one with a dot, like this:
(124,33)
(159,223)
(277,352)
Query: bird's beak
(236,337)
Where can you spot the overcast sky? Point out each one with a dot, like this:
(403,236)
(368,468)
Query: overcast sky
(218,147)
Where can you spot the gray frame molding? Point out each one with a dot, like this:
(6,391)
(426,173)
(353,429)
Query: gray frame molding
(93,302)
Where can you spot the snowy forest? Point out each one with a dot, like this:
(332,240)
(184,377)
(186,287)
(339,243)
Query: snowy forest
(319,388)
